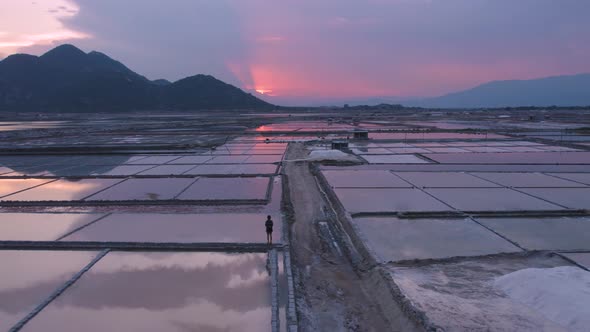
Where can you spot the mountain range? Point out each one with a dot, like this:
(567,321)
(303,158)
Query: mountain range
(571,90)
(68,79)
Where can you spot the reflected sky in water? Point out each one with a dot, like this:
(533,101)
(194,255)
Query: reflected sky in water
(41,226)
(63,190)
(180,228)
(29,277)
(165,292)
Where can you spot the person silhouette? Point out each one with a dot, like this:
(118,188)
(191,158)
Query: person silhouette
(268,224)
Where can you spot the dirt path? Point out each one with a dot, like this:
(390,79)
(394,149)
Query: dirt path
(333,297)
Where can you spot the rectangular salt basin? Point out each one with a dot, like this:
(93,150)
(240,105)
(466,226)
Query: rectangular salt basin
(85,170)
(582,258)
(393,239)
(484,149)
(527,180)
(505,143)
(447,150)
(394,159)
(265,152)
(543,233)
(432,136)
(172,291)
(556,148)
(63,190)
(490,199)
(227,189)
(191,160)
(226,152)
(429,145)
(521,149)
(228,159)
(395,145)
(273,147)
(180,228)
(578,177)
(407,150)
(153,160)
(124,170)
(168,170)
(525,143)
(573,198)
(23,161)
(444,180)
(9,186)
(464,144)
(254,169)
(364,151)
(270,146)
(388,200)
(108,159)
(264,159)
(212,170)
(4,170)
(144,189)
(364,146)
(49,170)
(41,226)
(27,278)
(364,179)
(512,158)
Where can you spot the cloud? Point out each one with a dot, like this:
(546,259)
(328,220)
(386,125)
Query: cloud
(28,24)
(19,41)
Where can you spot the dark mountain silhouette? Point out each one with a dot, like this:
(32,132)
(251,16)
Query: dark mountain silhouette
(571,90)
(67,79)
(161,81)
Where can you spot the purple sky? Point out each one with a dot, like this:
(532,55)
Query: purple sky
(317,48)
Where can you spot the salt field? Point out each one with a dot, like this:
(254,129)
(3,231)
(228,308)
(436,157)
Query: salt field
(154,292)
(425,224)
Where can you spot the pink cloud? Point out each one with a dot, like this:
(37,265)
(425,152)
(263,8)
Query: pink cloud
(38,23)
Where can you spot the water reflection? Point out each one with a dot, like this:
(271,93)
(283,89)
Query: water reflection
(63,190)
(179,228)
(64,166)
(394,239)
(28,277)
(9,186)
(165,292)
(40,226)
(144,189)
(227,188)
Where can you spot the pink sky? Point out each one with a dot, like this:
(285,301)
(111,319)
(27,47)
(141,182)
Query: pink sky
(317,49)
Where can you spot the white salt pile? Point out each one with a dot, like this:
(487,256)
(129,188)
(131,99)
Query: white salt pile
(331,155)
(562,294)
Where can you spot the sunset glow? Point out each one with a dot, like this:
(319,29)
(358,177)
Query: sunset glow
(307,49)
(263,91)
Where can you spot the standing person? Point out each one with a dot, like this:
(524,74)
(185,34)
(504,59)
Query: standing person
(268,224)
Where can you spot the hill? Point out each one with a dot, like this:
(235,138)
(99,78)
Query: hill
(67,79)
(571,90)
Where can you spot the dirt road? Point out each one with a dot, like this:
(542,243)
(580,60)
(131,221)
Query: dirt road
(331,294)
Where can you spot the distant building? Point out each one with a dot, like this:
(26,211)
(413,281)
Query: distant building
(339,145)
(360,134)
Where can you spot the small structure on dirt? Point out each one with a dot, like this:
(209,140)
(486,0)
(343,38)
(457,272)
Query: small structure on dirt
(339,144)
